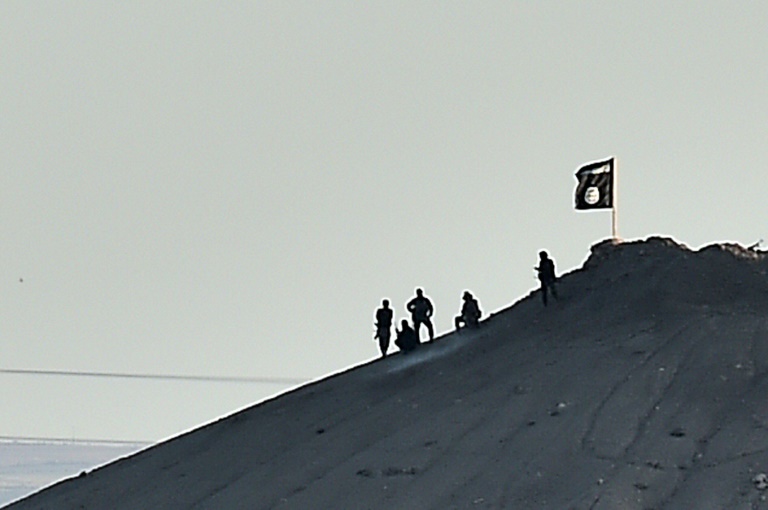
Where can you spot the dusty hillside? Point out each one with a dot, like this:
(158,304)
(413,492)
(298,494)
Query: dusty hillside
(643,387)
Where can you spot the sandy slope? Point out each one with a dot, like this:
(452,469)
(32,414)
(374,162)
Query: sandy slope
(643,387)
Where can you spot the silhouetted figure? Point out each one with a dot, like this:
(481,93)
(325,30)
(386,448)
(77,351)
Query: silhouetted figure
(407,339)
(384,326)
(470,312)
(421,313)
(546,273)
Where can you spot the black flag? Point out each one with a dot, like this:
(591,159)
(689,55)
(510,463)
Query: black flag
(595,187)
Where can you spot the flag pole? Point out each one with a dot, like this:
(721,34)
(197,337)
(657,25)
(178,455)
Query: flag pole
(615,202)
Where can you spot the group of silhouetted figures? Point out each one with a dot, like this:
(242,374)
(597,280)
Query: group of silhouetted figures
(421,310)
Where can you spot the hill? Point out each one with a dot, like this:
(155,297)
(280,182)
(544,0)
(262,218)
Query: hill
(642,387)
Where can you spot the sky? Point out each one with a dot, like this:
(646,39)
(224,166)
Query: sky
(229,189)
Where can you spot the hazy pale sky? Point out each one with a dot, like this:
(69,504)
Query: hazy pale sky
(231,188)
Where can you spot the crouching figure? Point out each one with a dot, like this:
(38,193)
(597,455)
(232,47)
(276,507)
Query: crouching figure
(470,312)
(407,339)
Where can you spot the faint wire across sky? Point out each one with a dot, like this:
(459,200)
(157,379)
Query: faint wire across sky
(160,377)
(30,440)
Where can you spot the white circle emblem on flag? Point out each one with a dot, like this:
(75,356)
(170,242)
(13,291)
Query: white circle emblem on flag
(592,195)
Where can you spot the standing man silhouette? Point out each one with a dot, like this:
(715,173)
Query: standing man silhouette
(384,326)
(421,313)
(546,274)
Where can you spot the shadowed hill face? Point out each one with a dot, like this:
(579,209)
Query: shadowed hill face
(642,387)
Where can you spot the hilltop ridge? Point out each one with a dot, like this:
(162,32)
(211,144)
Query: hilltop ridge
(664,271)
(642,387)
